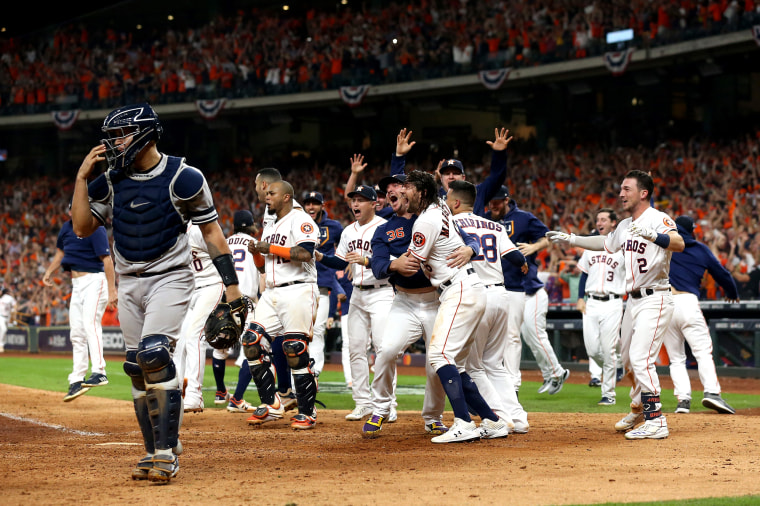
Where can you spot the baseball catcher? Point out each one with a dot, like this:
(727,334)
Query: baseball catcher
(225,323)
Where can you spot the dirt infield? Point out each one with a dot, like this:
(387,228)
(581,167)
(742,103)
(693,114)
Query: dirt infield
(82,453)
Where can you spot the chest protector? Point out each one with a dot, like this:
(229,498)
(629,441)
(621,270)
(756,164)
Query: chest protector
(145,222)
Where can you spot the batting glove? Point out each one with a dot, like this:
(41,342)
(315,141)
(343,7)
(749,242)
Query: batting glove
(642,231)
(560,237)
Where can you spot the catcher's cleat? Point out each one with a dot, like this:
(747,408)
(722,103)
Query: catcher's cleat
(303,422)
(143,468)
(267,412)
(164,468)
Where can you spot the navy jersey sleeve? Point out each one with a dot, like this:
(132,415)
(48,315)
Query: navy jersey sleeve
(488,188)
(720,274)
(381,255)
(398,163)
(100,242)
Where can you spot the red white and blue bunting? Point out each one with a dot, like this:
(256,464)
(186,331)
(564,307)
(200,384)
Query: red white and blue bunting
(493,79)
(209,109)
(353,95)
(617,61)
(756,34)
(64,120)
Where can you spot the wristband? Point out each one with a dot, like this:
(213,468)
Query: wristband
(226,268)
(662,240)
(280,251)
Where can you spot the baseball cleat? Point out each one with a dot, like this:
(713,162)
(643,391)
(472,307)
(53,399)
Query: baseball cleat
(656,428)
(143,468)
(96,380)
(289,401)
(606,401)
(75,390)
(493,430)
(373,426)
(392,416)
(629,421)
(193,406)
(359,413)
(436,428)
(545,387)
(267,412)
(460,432)
(239,406)
(557,383)
(304,422)
(684,406)
(520,427)
(716,402)
(164,468)
(595,382)
(222,397)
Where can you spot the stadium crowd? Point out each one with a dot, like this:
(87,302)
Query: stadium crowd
(259,52)
(718,184)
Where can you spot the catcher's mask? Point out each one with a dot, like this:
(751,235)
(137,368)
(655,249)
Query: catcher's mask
(128,130)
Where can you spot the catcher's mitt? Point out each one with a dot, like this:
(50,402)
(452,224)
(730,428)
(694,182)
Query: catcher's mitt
(225,323)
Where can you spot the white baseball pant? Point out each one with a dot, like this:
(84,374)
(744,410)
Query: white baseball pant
(485,363)
(89,296)
(413,316)
(688,324)
(4,332)
(367,318)
(513,348)
(345,356)
(317,346)
(594,369)
(601,333)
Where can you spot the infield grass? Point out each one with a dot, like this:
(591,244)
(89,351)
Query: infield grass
(50,373)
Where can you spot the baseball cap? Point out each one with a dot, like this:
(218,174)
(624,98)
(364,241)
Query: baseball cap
(502,194)
(452,163)
(686,223)
(364,191)
(314,197)
(379,190)
(242,219)
(387,180)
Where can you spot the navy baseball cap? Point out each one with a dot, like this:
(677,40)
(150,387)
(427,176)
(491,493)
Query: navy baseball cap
(314,197)
(379,190)
(364,191)
(242,219)
(686,223)
(388,180)
(502,194)
(452,163)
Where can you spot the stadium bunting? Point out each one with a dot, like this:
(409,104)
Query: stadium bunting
(493,79)
(756,34)
(64,120)
(617,61)
(353,95)
(209,109)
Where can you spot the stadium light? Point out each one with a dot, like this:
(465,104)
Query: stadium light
(620,36)
(285,7)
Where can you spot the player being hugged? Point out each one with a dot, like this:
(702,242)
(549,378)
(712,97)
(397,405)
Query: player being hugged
(463,302)
(647,239)
(287,307)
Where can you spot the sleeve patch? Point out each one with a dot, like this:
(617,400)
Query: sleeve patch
(306,228)
(418,239)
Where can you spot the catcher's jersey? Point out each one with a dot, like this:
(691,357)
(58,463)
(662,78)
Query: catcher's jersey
(203,267)
(434,237)
(646,264)
(358,238)
(605,271)
(494,243)
(270,218)
(248,275)
(293,229)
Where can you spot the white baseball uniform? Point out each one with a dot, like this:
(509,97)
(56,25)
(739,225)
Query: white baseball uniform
(7,306)
(605,287)
(190,353)
(649,308)
(370,304)
(485,363)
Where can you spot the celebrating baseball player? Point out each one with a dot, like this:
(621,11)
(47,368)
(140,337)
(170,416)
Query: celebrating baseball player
(190,352)
(150,198)
(485,364)
(646,239)
(248,275)
(603,284)
(7,308)
(462,304)
(688,322)
(371,298)
(287,308)
(93,287)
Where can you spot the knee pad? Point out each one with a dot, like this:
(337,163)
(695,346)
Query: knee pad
(255,342)
(133,370)
(296,351)
(155,359)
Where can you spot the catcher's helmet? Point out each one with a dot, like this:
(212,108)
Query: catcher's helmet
(129,129)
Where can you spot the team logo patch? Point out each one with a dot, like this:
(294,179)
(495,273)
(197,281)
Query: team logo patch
(668,222)
(306,228)
(418,239)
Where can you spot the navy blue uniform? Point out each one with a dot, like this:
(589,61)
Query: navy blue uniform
(329,236)
(82,254)
(688,267)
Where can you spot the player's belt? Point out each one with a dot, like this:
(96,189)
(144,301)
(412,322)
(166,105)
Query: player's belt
(496,284)
(605,298)
(644,292)
(446,284)
(370,287)
(151,274)
(291,283)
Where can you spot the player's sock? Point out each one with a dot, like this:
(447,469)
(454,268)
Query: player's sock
(244,378)
(475,400)
(281,365)
(219,366)
(452,385)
